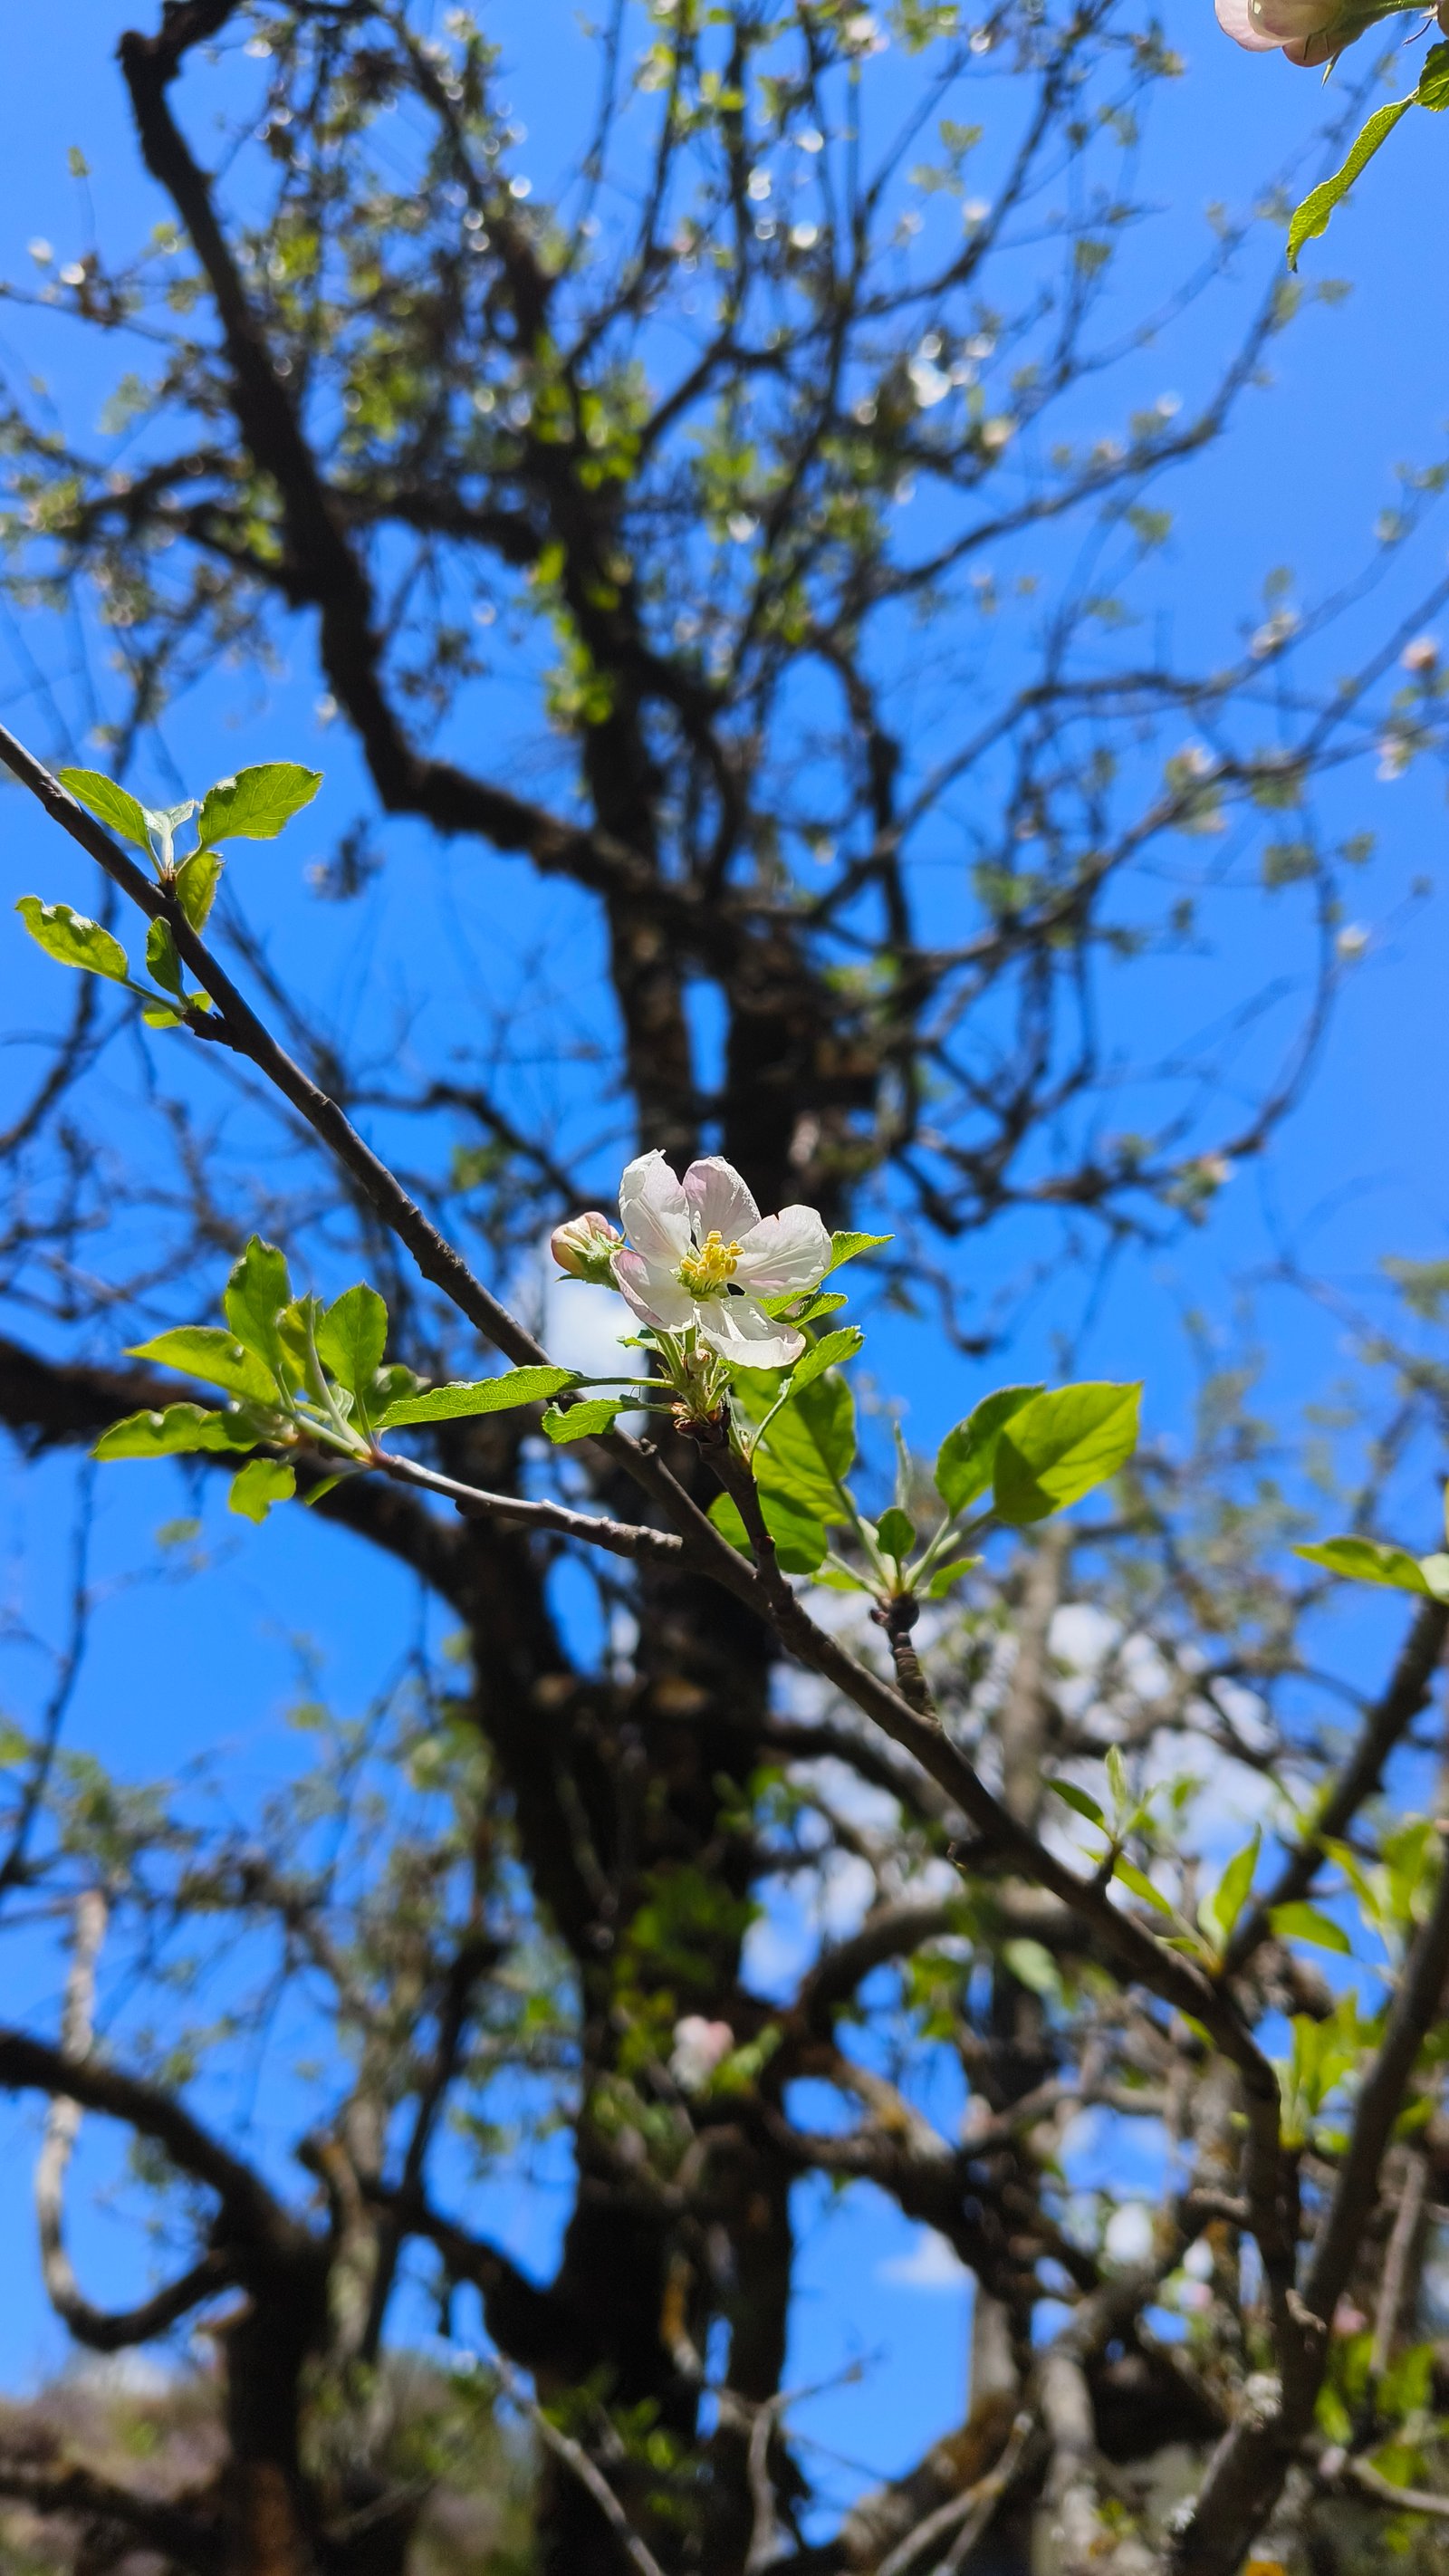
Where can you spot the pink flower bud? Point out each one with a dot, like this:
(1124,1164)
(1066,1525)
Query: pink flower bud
(699,2047)
(585,1247)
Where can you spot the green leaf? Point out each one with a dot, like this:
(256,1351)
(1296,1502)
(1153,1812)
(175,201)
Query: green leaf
(581,1421)
(896,1532)
(830,1351)
(254,1297)
(73,939)
(1433,89)
(1435,1571)
(1081,1799)
(162,963)
(109,803)
(946,1577)
(800,1540)
(179,1428)
(488,1395)
(255,804)
(848,1247)
(1060,1446)
(196,882)
(205,1351)
(825,1304)
(260,1484)
(1362,1560)
(1141,1885)
(1033,1967)
(808,1449)
(1219,1912)
(352,1337)
(1305,1923)
(1312,216)
(967,1456)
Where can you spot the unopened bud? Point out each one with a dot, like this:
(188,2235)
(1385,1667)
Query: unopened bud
(585,1247)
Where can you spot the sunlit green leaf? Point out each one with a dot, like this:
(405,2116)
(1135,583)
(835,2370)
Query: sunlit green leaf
(1363,1560)
(1081,1799)
(205,1351)
(1312,216)
(896,1533)
(256,804)
(162,963)
(72,938)
(260,1484)
(109,803)
(351,1338)
(581,1421)
(966,1458)
(197,879)
(829,1352)
(1141,1885)
(946,1577)
(849,1247)
(169,1434)
(1061,1445)
(486,1395)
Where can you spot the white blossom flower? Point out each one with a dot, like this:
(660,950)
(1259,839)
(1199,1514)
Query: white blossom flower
(699,2047)
(1308,31)
(701,1257)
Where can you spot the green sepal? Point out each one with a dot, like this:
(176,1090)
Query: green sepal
(486,1395)
(256,803)
(73,939)
(260,1484)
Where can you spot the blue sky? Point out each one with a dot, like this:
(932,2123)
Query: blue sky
(1357,388)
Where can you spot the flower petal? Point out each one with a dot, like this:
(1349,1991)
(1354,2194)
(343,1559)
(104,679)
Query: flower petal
(653,1292)
(790,1251)
(718,1199)
(741,1331)
(655,1211)
(1235,20)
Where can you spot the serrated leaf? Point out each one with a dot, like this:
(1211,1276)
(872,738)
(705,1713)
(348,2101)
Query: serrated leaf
(1061,1445)
(176,1430)
(109,803)
(828,1304)
(256,804)
(849,1247)
(205,1351)
(73,939)
(1080,1799)
(582,1421)
(896,1533)
(1305,1923)
(162,962)
(1141,1885)
(831,1351)
(254,1297)
(966,1458)
(808,1448)
(1363,1560)
(260,1484)
(1312,216)
(486,1395)
(196,882)
(351,1338)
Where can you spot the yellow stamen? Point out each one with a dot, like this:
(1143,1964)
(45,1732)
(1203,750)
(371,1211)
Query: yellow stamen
(705,1272)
